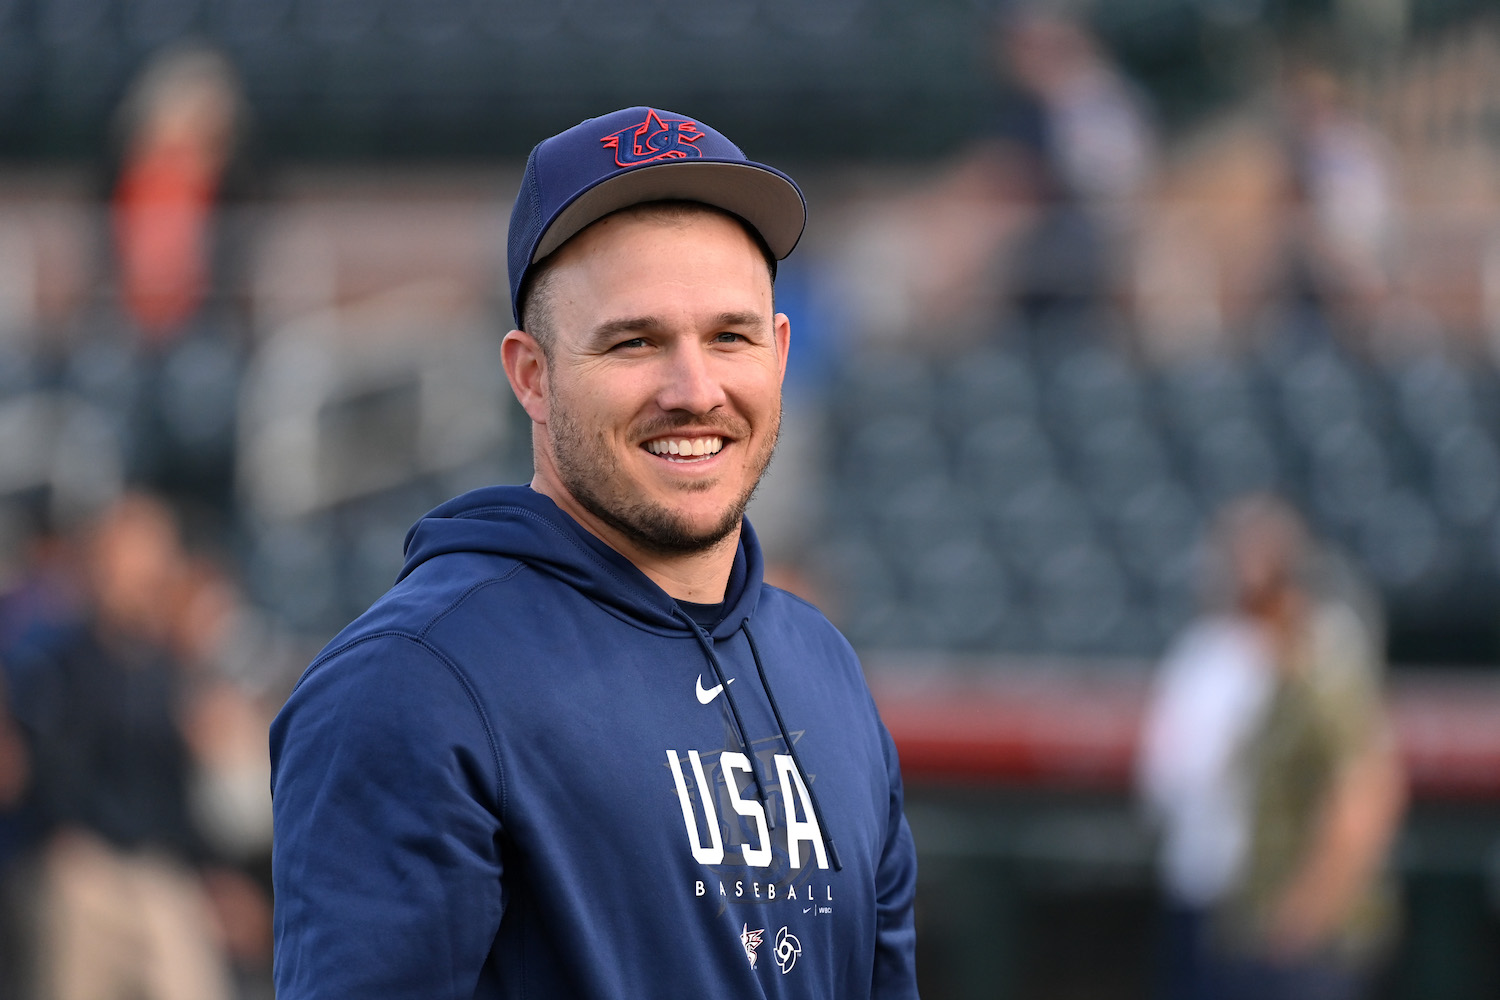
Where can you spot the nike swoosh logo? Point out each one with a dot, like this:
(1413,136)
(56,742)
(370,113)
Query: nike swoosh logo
(704,697)
(808,910)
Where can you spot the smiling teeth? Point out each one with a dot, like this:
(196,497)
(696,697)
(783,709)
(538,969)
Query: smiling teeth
(689,447)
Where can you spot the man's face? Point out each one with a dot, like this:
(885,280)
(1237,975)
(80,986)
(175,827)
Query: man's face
(662,395)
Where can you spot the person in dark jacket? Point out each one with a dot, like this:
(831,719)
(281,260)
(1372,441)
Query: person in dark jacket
(581,749)
(121,909)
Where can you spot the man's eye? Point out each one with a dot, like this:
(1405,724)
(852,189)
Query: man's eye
(729,338)
(631,344)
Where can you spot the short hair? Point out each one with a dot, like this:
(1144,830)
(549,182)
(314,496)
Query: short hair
(535,311)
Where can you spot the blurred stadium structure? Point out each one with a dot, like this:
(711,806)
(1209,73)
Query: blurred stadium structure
(1018,392)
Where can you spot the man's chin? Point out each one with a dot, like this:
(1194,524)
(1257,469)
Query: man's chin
(674,532)
(684,537)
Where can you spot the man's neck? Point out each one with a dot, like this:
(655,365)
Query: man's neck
(701,578)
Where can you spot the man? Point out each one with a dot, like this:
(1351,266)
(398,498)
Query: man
(580,749)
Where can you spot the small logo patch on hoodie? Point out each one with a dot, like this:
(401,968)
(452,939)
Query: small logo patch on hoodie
(706,696)
(751,940)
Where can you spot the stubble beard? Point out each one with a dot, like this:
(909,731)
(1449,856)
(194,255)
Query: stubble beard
(589,472)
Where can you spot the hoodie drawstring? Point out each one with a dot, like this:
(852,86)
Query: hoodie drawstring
(833,851)
(786,737)
(739,725)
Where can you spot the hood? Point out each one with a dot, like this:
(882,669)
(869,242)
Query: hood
(519,523)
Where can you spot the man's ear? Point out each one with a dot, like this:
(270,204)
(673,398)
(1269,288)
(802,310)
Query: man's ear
(783,340)
(526,368)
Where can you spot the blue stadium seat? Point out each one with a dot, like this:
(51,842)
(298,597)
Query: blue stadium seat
(865,601)
(925,514)
(198,391)
(1089,385)
(1465,474)
(1432,395)
(1400,541)
(1042,518)
(885,454)
(1206,392)
(371,554)
(883,386)
(1348,470)
(1081,599)
(293,571)
(1153,528)
(1229,458)
(1116,459)
(983,386)
(962,594)
(1316,389)
(999,456)
(855,570)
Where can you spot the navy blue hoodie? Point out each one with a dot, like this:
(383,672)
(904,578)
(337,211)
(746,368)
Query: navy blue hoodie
(525,772)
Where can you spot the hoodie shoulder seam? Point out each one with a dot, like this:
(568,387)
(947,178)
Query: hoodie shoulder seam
(470,591)
(458,675)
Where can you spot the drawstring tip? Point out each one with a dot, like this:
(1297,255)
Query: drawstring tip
(833,855)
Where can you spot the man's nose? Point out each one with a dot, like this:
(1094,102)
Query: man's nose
(690,381)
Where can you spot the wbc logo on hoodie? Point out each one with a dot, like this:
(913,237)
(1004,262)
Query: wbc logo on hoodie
(800,821)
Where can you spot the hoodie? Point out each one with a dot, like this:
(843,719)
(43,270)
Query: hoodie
(525,772)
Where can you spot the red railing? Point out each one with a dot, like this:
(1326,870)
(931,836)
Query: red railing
(1076,727)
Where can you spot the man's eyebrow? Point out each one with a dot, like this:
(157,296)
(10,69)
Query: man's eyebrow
(745,318)
(610,330)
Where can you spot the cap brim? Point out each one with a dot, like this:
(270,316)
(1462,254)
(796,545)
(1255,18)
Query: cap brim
(763,196)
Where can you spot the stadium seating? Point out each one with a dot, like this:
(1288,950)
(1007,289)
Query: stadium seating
(1054,501)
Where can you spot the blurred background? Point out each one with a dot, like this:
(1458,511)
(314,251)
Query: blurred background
(1078,278)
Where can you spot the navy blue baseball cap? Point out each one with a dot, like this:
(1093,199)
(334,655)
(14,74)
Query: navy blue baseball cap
(638,155)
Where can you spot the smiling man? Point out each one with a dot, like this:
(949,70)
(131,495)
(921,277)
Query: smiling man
(581,749)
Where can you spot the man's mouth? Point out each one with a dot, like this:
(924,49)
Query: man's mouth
(685,449)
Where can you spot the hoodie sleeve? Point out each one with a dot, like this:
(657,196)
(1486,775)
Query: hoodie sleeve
(895,974)
(386,860)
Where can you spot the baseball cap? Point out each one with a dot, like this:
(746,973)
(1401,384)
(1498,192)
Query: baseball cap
(638,155)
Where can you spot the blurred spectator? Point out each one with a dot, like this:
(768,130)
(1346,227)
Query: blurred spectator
(167,355)
(1208,697)
(39,606)
(132,899)
(1084,139)
(1343,190)
(179,162)
(1269,763)
(1029,219)
(15,836)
